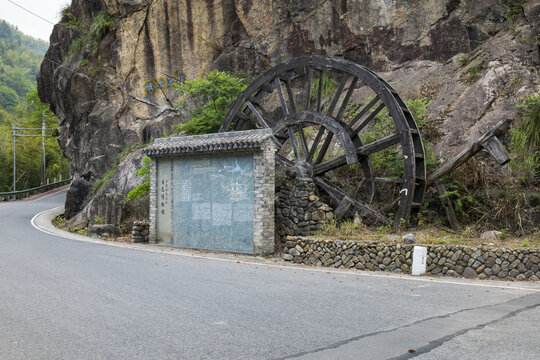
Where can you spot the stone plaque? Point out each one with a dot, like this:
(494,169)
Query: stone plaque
(213,202)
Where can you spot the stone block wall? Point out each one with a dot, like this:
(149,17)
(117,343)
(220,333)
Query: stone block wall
(263,199)
(140,232)
(299,210)
(485,262)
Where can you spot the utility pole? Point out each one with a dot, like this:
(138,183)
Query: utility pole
(14,158)
(43,164)
(43,136)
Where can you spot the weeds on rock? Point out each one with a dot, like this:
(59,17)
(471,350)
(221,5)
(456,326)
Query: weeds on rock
(98,29)
(105,180)
(474,72)
(515,9)
(144,188)
(342,230)
(525,140)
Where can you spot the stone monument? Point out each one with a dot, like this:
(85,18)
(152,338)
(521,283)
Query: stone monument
(214,191)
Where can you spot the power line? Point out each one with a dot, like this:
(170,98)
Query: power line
(117,88)
(31,12)
(114,88)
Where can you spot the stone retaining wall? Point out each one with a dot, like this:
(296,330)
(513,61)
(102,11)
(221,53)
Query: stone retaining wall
(140,231)
(485,262)
(299,210)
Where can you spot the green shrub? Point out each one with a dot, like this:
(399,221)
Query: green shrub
(525,138)
(139,191)
(79,29)
(212,97)
(144,188)
(74,23)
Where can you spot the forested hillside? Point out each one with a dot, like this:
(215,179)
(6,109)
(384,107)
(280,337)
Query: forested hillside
(20,58)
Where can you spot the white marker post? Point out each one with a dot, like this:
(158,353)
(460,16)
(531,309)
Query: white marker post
(419,260)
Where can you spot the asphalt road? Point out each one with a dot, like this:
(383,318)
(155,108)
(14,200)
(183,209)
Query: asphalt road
(67,299)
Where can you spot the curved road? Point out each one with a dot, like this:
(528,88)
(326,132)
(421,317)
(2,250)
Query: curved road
(67,299)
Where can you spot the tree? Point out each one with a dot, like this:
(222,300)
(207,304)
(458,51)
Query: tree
(211,96)
(8,98)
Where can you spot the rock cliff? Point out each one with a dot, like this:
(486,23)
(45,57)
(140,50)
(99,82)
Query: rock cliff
(473,59)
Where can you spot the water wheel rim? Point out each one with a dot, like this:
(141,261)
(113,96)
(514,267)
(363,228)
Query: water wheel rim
(413,179)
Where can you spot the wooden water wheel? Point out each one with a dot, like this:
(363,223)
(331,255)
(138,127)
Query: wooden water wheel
(343,126)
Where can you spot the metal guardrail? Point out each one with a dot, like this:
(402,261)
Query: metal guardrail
(16,195)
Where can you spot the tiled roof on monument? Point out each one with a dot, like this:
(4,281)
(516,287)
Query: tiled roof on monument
(227,141)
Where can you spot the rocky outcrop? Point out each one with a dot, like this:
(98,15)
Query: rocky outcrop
(468,57)
(109,203)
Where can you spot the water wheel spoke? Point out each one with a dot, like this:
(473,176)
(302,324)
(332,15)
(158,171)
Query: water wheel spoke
(324,148)
(360,115)
(283,161)
(339,90)
(356,125)
(261,119)
(293,142)
(242,118)
(346,100)
(328,140)
(291,96)
(279,88)
(368,119)
(303,140)
(315,144)
(378,145)
(364,150)
(299,129)
(309,85)
(265,114)
(340,195)
(319,91)
(329,165)
(389,180)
